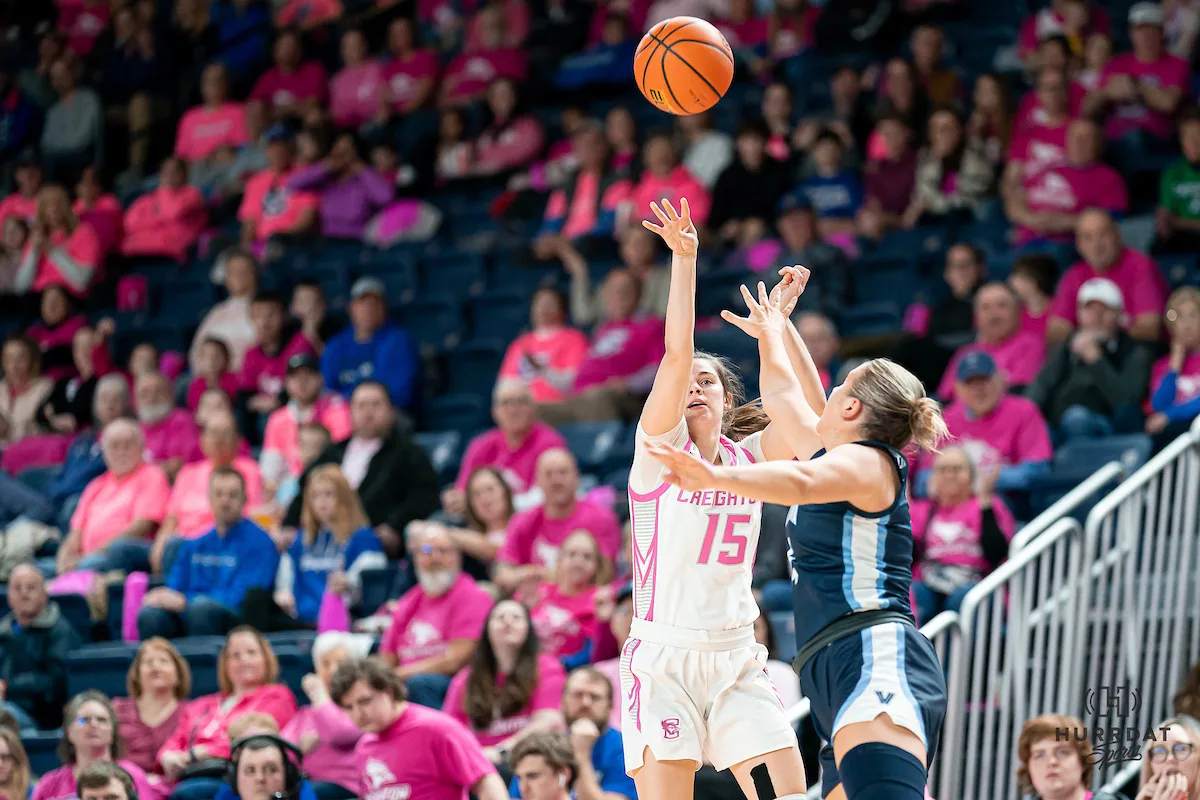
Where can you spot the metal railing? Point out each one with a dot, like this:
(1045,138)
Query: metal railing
(1111,472)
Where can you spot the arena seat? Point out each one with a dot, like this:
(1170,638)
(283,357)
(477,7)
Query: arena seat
(592,442)
(499,315)
(102,666)
(875,319)
(376,584)
(883,280)
(444,449)
(75,610)
(474,366)
(294,664)
(458,274)
(201,653)
(1181,269)
(434,321)
(464,413)
(42,749)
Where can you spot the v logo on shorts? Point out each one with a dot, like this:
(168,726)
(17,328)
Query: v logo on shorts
(884,698)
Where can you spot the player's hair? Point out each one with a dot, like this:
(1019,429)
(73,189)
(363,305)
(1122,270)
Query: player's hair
(1189,724)
(553,747)
(484,701)
(98,775)
(1058,727)
(898,411)
(371,671)
(744,418)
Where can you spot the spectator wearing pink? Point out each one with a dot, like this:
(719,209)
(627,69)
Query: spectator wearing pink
(1141,90)
(188,512)
(745,33)
(23,202)
(615,604)
(216,123)
(1040,139)
(1071,19)
(548,356)
(321,729)
(1032,279)
(308,14)
(588,204)
(1048,107)
(664,178)
(890,178)
(511,139)
(512,447)
(171,438)
(468,76)
(355,90)
(517,20)
(1017,353)
(248,677)
(292,87)
(1049,205)
(1142,284)
(411,72)
(270,207)
(530,551)
(351,192)
(436,624)
(229,320)
(1175,378)
(409,750)
(307,402)
(564,610)
(212,372)
(640,255)
(62,250)
(23,389)
(167,221)
(55,333)
(997,430)
(489,509)
(119,512)
(960,534)
(102,211)
(277,342)
(507,651)
(83,22)
(158,684)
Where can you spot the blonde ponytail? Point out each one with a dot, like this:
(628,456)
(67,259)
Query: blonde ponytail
(926,423)
(898,412)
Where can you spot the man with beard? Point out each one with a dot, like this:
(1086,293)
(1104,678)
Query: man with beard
(436,624)
(170,432)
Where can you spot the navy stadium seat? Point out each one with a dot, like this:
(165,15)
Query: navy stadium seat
(473,367)
(75,610)
(869,320)
(464,413)
(444,449)
(499,315)
(434,321)
(42,749)
(592,442)
(729,342)
(1181,270)
(883,280)
(458,274)
(376,584)
(201,652)
(294,664)
(1082,457)
(103,667)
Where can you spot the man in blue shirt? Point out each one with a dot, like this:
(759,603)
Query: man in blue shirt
(372,348)
(211,574)
(599,752)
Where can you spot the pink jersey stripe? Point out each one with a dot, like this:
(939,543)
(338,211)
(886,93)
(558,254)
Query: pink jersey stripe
(634,695)
(651,496)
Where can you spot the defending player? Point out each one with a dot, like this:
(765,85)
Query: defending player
(876,687)
(693,678)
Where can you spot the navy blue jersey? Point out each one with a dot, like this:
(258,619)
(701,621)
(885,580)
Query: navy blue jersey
(845,560)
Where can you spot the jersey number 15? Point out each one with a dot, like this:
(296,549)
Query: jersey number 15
(733,544)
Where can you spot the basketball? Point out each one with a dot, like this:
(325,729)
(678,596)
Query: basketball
(683,65)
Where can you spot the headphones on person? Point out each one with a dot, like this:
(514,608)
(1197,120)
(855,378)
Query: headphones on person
(293,758)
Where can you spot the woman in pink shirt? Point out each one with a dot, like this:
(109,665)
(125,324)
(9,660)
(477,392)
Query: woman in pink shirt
(102,211)
(248,674)
(469,75)
(158,683)
(511,689)
(410,75)
(293,87)
(547,357)
(89,736)
(214,124)
(665,179)
(489,507)
(564,611)
(322,730)
(511,139)
(62,250)
(355,90)
(169,220)
(961,533)
(1032,279)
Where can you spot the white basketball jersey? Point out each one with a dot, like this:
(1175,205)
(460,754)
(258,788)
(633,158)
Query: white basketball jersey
(693,552)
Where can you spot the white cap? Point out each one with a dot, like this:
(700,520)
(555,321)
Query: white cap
(1146,14)
(1049,25)
(1101,290)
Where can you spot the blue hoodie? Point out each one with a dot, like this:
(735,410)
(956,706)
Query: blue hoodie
(389,357)
(309,565)
(222,568)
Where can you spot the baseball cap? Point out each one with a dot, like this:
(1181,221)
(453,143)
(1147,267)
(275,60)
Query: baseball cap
(1145,14)
(976,365)
(1101,290)
(793,201)
(365,286)
(303,361)
(280,132)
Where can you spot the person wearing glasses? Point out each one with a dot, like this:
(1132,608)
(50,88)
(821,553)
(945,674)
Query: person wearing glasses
(1170,763)
(1054,766)
(89,737)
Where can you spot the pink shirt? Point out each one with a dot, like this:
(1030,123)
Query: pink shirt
(622,350)
(205,722)
(423,626)
(165,222)
(263,373)
(518,465)
(954,534)
(83,24)
(560,350)
(1013,433)
(1030,111)
(533,537)
(1167,72)
(425,755)
(281,441)
(1187,383)
(173,437)
(305,13)
(1143,286)
(333,758)
(142,742)
(1019,357)
(203,130)
(20,206)
(354,94)
(82,247)
(403,78)
(275,207)
(1070,189)
(106,218)
(673,187)
(1039,147)
(1034,325)
(189,504)
(564,623)
(279,90)
(471,73)
(59,784)
(110,504)
(547,695)
(228,384)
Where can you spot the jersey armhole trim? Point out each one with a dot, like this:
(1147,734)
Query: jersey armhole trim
(653,495)
(887,452)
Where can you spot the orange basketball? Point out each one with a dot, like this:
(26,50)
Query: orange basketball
(683,65)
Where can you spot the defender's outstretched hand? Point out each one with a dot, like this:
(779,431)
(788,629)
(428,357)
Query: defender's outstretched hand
(690,474)
(792,285)
(677,229)
(766,315)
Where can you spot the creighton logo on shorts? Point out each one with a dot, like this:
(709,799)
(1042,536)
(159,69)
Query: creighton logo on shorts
(670,728)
